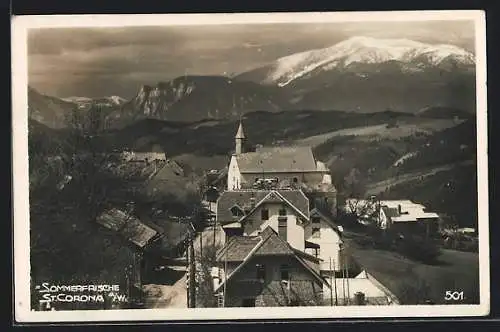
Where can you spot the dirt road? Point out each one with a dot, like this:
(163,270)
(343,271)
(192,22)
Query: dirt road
(167,296)
(378,187)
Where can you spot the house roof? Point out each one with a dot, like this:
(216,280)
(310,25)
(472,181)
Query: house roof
(127,226)
(138,233)
(327,217)
(237,248)
(277,159)
(242,198)
(267,243)
(169,171)
(390,212)
(114,219)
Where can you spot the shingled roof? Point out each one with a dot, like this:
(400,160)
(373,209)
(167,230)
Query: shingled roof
(277,159)
(242,198)
(129,227)
(390,212)
(267,243)
(237,248)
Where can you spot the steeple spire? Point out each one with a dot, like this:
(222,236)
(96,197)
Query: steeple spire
(239,138)
(240,134)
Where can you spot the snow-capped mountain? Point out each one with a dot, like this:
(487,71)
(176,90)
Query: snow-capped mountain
(109,101)
(361,50)
(365,74)
(117,100)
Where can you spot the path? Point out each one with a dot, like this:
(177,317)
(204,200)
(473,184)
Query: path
(167,296)
(378,187)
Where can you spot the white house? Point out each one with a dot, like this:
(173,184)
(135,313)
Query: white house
(323,239)
(293,164)
(404,215)
(248,212)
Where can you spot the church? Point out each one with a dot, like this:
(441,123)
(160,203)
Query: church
(294,165)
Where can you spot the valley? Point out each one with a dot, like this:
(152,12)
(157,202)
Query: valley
(390,118)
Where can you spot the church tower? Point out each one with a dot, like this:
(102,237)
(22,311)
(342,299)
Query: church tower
(240,137)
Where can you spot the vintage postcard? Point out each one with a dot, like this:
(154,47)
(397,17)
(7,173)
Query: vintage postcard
(245,166)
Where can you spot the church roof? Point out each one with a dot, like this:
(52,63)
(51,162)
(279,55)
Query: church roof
(277,159)
(240,133)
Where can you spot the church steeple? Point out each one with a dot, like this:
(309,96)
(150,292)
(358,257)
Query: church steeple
(239,138)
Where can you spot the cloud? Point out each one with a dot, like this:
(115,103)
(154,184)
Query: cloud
(95,62)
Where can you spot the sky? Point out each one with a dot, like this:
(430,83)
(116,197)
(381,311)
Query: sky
(97,62)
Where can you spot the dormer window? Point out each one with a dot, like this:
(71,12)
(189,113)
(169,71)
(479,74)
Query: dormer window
(237,211)
(316,220)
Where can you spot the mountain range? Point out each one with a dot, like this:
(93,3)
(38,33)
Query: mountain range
(368,75)
(192,98)
(109,101)
(360,74)
(346,55)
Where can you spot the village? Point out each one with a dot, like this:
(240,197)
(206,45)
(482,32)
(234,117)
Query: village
(272,230)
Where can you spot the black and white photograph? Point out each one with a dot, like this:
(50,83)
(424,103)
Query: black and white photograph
(202,164)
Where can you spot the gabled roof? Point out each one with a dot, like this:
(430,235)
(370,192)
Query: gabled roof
(237,248)
(326,217)
(293,198)
(277,159)
(268,243)
(127,226)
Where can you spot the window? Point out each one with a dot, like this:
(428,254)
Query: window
(284,271)
(295,180)
(316,220)
(261,272)
(316,232)
(282,211)
(264,213)
(248,302)
(282,227)
(237,211)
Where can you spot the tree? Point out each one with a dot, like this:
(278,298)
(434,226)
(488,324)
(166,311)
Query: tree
(354,185)
(418,248)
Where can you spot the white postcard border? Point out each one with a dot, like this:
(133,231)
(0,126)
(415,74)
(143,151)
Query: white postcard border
(20,26)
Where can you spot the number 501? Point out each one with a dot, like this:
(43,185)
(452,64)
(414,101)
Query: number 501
(455,296)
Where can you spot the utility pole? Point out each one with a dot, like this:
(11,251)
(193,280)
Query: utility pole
(225,280)
(335,284)
(331,283)
(343,276)
(192,273)
(347,280)
(201,245)
(215,228)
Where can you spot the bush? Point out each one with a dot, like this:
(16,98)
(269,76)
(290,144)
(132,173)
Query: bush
(418,248)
